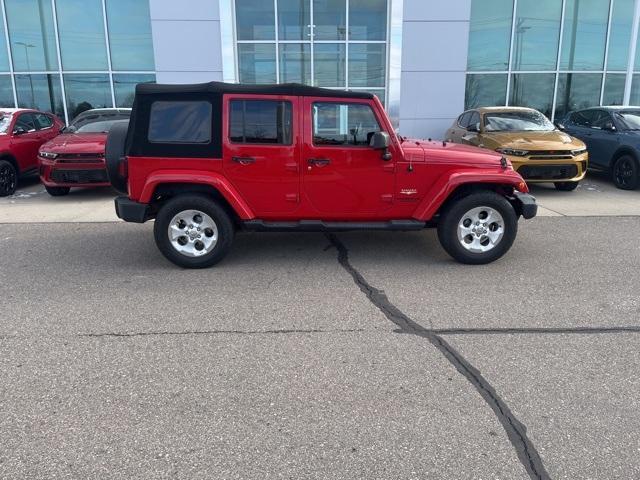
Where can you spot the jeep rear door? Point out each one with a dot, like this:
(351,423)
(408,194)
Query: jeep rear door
(343,177)
(261,151)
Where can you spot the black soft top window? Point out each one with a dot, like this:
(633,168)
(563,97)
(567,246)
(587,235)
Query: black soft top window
(180,122)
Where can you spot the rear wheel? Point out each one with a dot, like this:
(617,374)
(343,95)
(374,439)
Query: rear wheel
(193,231)
(478,228)
(566,186)
(8,178)
(57,191)
(626,173)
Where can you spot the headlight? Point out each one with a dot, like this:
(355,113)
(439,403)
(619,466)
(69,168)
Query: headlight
(512,151)
(49,155)
(578,151)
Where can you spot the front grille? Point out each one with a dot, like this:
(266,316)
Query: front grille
(80,158)
(548,172)
(550,155)
(79,176)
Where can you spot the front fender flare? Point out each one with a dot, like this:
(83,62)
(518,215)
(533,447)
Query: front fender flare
(212,179)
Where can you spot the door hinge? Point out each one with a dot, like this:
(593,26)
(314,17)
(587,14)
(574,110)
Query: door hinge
(387,198)
(292,197)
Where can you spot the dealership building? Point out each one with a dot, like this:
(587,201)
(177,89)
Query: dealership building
(427,60)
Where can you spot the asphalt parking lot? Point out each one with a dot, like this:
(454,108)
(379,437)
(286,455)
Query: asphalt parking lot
(356,355)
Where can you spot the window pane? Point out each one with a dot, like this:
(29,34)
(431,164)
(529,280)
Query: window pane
(533,90)
(367,64)
(4,58)
(585,34)
(26,121)
(33,44)
(43,121)
(537,33)
(255,20)
(620,34)
(614,89)
(485,90)
(329,17)
(293,19)
(577,91)
(180,122)
(367,19)
(490,34)
(86,91)
(41,92)
(295,63)
(130,35)
(257,63)
(329,64)
(343,124)
(635,90)
(124,86)
(261,121)
(6,92)
(81,30)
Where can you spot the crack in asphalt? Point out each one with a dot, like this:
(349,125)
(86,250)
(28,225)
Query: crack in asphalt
(516,431)
(221,332)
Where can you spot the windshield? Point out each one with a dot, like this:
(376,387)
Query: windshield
(523,121)
(97,127)
(81,123)
(5,121)
(630,119)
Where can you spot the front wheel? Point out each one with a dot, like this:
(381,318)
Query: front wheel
(193,231)
(626,173)
(478,228)
(566,186)
(57,191)
(8,178)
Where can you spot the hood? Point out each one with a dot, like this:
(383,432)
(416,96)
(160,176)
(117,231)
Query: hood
(554,140)
(76,143)
(440,152)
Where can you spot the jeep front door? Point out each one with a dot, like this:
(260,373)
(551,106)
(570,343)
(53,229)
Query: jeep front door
(343,177)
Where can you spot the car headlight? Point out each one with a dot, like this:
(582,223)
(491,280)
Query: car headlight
(578,151)
(513,151)
(49,155)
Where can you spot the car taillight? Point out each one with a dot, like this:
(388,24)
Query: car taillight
(123,167)
(522,187)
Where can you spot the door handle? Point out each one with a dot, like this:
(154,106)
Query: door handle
(243,160)
(319,162)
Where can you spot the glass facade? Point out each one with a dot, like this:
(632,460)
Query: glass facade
(551,55)
(328,43)
(66,56)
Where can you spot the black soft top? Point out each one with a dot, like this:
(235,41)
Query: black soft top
(293,89)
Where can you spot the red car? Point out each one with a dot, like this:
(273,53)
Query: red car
(22,131)
(76,157)
(208,160)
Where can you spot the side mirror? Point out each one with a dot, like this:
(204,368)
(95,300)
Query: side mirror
(19,131)
(609,126)
(381,141)
(560,126)
(475,127)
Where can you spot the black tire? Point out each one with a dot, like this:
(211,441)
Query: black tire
(626,173)
(205,205)
(113,154)
(8,178)
(57,191)
(566,186)
(453,216)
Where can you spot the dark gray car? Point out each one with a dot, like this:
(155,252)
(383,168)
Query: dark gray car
(612,136)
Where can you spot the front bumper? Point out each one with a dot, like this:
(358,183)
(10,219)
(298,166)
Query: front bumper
(525,204)
(536,170)
(131,211)
(72,174)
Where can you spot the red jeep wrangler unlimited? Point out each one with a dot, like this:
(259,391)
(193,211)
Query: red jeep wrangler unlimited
(210,159)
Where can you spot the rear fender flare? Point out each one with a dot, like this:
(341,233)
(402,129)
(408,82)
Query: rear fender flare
(447,184)
(214,180)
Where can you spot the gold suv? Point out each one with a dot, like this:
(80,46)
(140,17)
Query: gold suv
(537,150)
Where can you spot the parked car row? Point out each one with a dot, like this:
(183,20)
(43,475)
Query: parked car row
(64,157)
(601,138)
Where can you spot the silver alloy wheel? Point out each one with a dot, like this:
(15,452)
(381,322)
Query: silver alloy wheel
(193,233)
(480,229)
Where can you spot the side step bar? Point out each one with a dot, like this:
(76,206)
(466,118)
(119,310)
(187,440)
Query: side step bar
(320,226)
